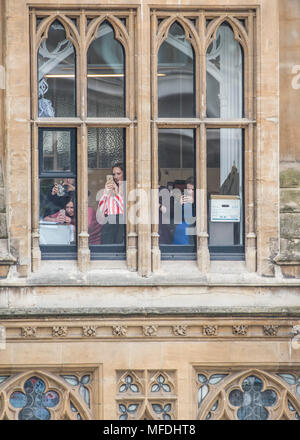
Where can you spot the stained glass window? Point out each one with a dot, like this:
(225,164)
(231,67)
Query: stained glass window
(252,401)
(35,400)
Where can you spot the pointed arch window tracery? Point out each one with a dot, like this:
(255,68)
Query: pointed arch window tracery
(252,394)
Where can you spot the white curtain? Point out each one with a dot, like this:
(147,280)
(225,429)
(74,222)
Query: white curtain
(231,102)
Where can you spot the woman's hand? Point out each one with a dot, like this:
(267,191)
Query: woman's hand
(54,189)
(109,187)
(70,186)
(186,199)
(61,218)
(115,188)
(68,220)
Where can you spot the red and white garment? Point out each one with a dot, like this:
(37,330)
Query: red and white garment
(111,204)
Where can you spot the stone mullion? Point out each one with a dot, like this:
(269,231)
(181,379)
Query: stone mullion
(81,74)
(130,150)
(35,236)
(155,251)
(82,154)
(131,226)
(203,257)
(82,199)
(143,85)
(250,244)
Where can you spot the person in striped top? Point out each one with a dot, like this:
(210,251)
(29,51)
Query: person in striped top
(110,211)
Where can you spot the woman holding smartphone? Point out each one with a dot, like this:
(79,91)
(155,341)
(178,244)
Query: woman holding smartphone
(110,211)
(187,201)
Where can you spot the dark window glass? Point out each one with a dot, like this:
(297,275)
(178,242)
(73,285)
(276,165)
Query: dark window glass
(57,185)
(107,191)
(106,75)
(224,67)
(175,75)
(252,402)
(56,74)
(177,204)
(225,189)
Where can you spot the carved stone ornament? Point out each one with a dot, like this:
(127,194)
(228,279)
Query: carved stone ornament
(89,330)
(29,332)
(149,330)
(59,331)
(210,330)
(240,329)
(270,330)
(119,330)
(179,330)
(295,330)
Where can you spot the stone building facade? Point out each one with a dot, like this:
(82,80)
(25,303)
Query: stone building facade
(145,332)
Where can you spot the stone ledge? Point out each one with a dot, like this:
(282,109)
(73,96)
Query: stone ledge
(134,312)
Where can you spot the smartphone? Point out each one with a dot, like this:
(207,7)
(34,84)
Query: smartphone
(109,178)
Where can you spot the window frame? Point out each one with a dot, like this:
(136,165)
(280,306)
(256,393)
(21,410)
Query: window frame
(136,122)
(59,252)
(201,34)
(81,28)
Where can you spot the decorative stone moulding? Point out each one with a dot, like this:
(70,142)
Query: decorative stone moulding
(59,331)
(89,330)
(210,330)
(150,330)
(134,329)
(28,332)
(180,330)
(240,329)
(119,330)
(270,330)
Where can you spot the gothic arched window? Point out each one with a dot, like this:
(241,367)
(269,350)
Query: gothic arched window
(106,75)
(175,75)
(56,74)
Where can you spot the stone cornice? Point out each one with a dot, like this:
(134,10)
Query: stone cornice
(154,329)
(132,312)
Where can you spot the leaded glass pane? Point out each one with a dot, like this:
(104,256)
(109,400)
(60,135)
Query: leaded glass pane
(106,75)
(216,378)
(56,151)
(202,393)
(175,75)
(177,210)
(56,74)
(106,186)
(57,211)
(252,401)
(18,399)
(225,188)
(289,378)
(224,70)
(34,402)
(85,379)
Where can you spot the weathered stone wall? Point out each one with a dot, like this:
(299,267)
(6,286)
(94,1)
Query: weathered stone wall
(290,136)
